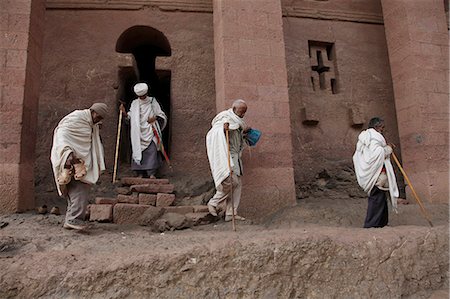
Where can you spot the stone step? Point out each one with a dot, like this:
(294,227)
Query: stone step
(133,199)
(101,212)
(129,181)
(152,188)
(125,213)
(106,200)
(200,218)
(164,199)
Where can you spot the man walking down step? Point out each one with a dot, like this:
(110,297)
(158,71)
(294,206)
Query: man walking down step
(146,120)
(77,159)
(217,149)
(375,173)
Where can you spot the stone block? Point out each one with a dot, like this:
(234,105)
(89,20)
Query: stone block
(123,190)
(200,209)
(106,201)
(147,199)
(164,200)
(179,209)
(152,188)
(129,181)
(201,218)
(125,213)
(132,199)
(150,215)
(172,221)
(101,213)
(356,116)
(309,116)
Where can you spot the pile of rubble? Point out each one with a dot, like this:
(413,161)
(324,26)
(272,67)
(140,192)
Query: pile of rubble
(148,202)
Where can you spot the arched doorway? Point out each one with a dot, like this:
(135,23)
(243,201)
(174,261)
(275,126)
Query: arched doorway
(145,44)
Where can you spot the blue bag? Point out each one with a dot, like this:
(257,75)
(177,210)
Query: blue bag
(253,136)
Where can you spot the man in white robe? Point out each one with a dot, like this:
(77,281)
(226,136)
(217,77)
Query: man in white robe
(78,159)
(375,173)
(217,149)
(147,120)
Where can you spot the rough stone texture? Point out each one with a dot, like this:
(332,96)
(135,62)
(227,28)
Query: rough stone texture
(417,38)
(133,199)
(199,209)
(101,213)
(154,188)
(199,218)
(364,90)
(21,34)
(298,262)
(150,215)
(125,213)
(85,76)
(164,200)
(250,64)
(172,221)
(179,209)
(128,181)
(106,200)
(123,190)
(147,199)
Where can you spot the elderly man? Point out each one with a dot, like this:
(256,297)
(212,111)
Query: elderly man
(147,121)
(78,160)
(217,148)
(375,173)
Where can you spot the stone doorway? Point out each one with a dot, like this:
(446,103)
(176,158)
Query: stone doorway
(144,44)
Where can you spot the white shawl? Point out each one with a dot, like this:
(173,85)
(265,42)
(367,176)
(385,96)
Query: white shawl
(77,133)
(141,131)
(216,144)
(372,153)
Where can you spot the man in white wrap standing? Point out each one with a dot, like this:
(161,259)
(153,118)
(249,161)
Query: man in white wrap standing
(375,173)
(146,117)
(217,149)
(77,159)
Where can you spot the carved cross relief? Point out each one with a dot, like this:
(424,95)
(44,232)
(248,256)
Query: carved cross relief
(323,75)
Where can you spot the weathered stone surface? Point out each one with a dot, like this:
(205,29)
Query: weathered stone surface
(201,218)
(172,221)
(164,200)
(106,200)
(123,190)
(129,181)
(200,208)
(152,188)
(147,199)
(179,209)
(128,199)
(125,213)
(150,215)
(101,212)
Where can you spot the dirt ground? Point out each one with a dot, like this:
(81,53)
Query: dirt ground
(316,249)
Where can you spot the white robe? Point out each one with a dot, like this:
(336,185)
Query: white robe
(216,144)
(372,153)
(141,131)
(77,133)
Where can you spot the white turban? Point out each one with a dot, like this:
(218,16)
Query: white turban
(100,108)
(140,89)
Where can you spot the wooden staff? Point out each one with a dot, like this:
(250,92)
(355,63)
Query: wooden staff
(119,126)
(163,150)
(422,208)
(231,179)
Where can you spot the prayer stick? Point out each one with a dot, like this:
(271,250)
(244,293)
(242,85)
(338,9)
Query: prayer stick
(231,180)
(422,208)
(158,139)
(119,126)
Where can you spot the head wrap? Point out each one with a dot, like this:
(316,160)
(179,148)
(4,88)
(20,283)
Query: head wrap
(100,108)
(140,89)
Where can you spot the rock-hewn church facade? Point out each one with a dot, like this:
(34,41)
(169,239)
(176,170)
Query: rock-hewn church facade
(312,71)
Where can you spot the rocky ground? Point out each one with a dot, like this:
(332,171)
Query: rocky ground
(313,250)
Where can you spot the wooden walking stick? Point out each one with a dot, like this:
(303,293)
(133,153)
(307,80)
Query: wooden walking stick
(231,179)
(119,126)
(422,208)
